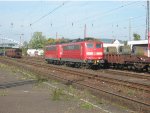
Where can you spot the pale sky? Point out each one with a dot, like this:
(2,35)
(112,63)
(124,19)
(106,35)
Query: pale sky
(104,19)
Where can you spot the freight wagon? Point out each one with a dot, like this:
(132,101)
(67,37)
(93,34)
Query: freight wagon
(14,53)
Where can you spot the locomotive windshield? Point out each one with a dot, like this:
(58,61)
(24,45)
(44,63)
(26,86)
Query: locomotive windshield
(98,45)
(90,45)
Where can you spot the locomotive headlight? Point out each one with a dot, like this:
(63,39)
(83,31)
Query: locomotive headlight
(99,53)
(89,53)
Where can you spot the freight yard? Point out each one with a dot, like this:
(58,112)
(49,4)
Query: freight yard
(129,91)
(74,57)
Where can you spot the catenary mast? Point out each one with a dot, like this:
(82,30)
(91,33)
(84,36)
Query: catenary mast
(148,28)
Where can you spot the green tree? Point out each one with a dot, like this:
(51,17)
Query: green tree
(37,40)
(56,41)
(51,41)
(136,36)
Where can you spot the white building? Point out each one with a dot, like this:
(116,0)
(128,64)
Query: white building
(138,43)
(35,52)
(112,43)
(115,43)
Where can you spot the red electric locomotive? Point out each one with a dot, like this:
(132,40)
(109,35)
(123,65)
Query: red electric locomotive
(53,53)
(86,52)
(76,53)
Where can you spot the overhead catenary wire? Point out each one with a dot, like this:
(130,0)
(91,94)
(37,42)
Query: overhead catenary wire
(73,23)
(102,15)
(106,13)
(52,11)
(124,20)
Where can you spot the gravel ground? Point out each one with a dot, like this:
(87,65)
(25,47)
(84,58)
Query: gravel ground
(47,97)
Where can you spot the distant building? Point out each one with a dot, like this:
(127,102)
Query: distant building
(35,52)
(112,43)
(9,45)
(142,44)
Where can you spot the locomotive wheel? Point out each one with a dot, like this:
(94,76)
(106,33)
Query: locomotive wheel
(87,66)
(94,67)
(148,69)
(129,67)
(116,66)
(139,66)
(62,63)
(120,66)
(77,65)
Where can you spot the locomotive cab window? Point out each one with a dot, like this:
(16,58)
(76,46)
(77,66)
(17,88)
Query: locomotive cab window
(90,45)
(72,47)
(98,45)
(50,48)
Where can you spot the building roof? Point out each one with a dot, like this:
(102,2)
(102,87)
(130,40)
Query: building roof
(111,41)
(137,42)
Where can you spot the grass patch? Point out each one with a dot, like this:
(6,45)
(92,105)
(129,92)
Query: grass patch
(3,93)
(2,65)
(17,70)
(131,92)
(101,101)
(39,83)
(57,94)
(86,106)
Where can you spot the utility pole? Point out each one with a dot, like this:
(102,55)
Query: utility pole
(4,47)
(56,36)
(148,28)
(20,39)
(146,31)
(20,42)
(3,42)
(85,31)
(130,28)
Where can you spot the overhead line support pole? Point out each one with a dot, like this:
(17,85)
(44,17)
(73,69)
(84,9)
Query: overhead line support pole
(148,28)
(85,31)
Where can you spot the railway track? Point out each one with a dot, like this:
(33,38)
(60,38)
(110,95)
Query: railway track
(100,77)
(126,73)
(143,105)
(107,71)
